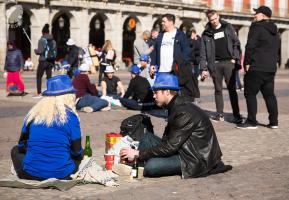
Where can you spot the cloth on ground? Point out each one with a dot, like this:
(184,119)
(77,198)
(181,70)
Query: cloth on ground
(89,172)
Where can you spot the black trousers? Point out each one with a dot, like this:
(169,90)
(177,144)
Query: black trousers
(226,70)
(254,82)
(17,159)
(43,66)
(101,73)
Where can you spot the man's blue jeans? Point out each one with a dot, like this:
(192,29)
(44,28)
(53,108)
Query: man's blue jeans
(92,101)
(159,166)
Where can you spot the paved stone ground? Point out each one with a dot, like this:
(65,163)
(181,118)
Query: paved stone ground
(260,157)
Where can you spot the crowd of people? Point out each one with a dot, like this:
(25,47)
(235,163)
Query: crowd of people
(165,74)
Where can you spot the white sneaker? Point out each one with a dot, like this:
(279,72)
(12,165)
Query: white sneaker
(87,109)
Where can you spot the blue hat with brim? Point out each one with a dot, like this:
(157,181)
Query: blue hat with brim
(166,81)
(59,85)
(65,64)
(145,58)
(135,69)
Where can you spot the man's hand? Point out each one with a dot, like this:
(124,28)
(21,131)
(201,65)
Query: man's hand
(204,75)
(129,153)
(233,61)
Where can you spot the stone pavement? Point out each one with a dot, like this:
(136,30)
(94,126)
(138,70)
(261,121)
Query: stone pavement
(260,157)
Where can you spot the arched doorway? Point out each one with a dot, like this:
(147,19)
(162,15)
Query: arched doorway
(129,36)
(96,31)
(61,33)
(18,36)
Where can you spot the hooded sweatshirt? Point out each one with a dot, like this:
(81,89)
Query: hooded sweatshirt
(42,45)
(262,47)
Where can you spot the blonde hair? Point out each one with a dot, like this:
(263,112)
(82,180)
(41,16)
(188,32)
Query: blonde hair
(52,109)
(107,45)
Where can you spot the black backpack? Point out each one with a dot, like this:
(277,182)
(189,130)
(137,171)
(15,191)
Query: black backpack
(50,51)
(135,126)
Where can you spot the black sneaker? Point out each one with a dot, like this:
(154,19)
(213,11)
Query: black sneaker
(246,125)
(218,118)
(239,120)
(272,126)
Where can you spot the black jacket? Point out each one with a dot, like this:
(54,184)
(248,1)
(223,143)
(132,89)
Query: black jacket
(72,56)
(195,46)
(190,134)
(14,60)
(262,47)
(139,89)
(181,48)
(207,53)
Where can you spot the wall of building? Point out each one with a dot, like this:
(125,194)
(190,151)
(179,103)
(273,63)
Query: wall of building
(145,12)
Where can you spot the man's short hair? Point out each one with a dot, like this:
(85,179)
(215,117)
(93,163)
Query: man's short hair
(170,17)
(155,30)
(210,13)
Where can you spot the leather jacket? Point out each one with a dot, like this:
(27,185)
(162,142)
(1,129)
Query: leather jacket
(190,134)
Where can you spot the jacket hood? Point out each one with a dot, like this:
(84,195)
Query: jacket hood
(48,36)
(268,25)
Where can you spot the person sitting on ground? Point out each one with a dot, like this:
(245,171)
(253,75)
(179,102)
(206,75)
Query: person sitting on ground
(87,100)
(146,71)
(110,83)
(28,65)
(189,146)
(50,141)
(140,91)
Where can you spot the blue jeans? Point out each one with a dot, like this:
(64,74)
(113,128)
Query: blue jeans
(130,104)
(91,101)
(159,166)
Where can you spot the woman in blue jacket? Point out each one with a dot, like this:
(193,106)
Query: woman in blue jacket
(50,141)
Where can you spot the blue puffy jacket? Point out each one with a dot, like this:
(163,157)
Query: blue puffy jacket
(14,60)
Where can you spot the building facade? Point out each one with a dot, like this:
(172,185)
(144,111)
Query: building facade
(121,21)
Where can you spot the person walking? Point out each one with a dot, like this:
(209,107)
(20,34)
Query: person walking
(195,45)
(172,54)
(14,64)
(47,55)
(261,56)
(220,55)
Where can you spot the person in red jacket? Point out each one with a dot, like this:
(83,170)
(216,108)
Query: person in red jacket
(87,94)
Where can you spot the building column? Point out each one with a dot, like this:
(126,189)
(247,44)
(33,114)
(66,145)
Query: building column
(3,35)
(284,47)
(80,33)
(35,36)
(243,35)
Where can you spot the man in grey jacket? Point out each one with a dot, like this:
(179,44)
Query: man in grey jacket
(141,47)
(220,55)
(45,64)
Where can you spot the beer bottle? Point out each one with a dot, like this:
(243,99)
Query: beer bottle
(87,150)
(134,171)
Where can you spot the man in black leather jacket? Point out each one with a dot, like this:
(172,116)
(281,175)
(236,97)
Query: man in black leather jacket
(189,146)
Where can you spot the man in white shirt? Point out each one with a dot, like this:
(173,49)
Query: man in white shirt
(170,44)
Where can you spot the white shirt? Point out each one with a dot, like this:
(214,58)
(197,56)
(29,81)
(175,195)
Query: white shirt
(167,51)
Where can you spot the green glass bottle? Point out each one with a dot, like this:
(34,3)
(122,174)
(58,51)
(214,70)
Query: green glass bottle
(87,150)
